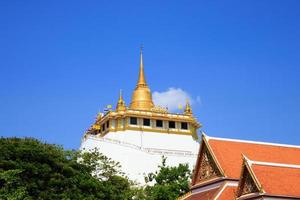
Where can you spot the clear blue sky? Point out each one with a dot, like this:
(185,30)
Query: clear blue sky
(63,61)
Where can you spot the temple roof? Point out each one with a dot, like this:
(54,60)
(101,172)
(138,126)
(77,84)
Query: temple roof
(254,169)
(229,153)
(228,192)
(222,192)
(208,194)
(277,179)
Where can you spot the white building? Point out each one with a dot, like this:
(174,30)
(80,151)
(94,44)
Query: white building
(139,135)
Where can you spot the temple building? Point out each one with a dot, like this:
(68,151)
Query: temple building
(138,135)
(229,169)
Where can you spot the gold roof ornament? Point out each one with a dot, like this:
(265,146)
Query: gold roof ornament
(141,97)
(188,108)
(99,116)
(121,103)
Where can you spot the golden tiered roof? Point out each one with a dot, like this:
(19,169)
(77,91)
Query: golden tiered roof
(141,108)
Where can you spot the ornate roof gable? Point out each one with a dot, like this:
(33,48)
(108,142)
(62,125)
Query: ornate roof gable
(248,183)
(207,167)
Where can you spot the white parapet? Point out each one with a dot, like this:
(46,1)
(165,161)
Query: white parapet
(140,153)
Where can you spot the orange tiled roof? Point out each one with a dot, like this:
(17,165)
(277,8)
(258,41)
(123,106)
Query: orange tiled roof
(229,154)
(228,193)
(279,179)
(206,195)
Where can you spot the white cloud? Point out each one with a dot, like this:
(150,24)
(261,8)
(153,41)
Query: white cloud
(172,98)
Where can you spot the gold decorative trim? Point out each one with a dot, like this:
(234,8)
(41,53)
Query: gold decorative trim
(163,131)
(208,168)
(214,157)
(204,144)
(257,183)
(125,115)
(243,180)
(151,115)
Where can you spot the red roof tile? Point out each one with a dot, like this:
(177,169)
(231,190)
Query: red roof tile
(229,154)
(228,193)
(278,180)
(206,195)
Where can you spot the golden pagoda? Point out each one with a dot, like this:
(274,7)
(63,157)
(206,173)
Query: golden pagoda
(141,97)
(142,114)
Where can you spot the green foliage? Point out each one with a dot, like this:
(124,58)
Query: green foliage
(107,171)
(30,169)
(168,183)
(12,188)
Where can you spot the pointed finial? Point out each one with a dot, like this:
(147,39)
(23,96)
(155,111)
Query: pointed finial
(121,103)
(142,80)
(120,95)
(188,109)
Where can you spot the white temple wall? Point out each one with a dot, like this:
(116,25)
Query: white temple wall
(140,152)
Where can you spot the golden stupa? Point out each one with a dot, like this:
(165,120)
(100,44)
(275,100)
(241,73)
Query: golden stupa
(141,97)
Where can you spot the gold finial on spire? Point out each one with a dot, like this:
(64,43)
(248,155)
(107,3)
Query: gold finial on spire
(142,80)
(120,97)
(121,103)
(188,108)
(141,97)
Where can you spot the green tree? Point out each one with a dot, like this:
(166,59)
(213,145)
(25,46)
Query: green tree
(30,169)
(116,186)
(168,183)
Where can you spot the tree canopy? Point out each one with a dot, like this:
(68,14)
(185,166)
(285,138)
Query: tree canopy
(168,183)
(30,169)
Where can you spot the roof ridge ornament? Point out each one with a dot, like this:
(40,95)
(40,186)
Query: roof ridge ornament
(121,103)
(188,108)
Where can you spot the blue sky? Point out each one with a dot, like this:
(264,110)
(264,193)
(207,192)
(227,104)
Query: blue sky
(63,61)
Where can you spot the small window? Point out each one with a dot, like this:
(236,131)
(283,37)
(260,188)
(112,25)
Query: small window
(133,120)
(159,123)
(146,122)
(107,124)
(103,127)
(171,124)
(184,125)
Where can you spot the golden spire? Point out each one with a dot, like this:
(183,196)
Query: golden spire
(121,103)
(142,80)
(141,97)
(188,108)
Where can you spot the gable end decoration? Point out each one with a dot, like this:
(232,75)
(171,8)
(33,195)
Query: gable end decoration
(208,168)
